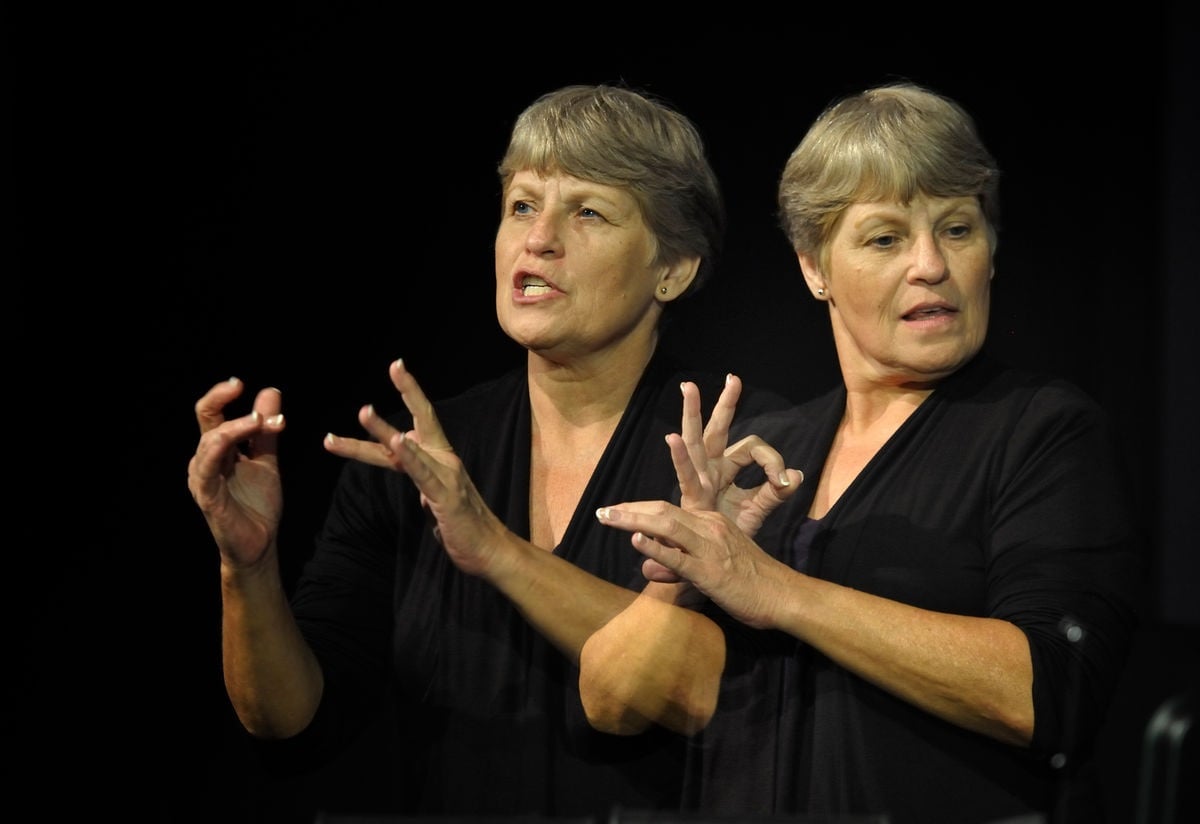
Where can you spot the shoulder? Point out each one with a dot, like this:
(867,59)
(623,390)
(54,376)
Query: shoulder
(998,390)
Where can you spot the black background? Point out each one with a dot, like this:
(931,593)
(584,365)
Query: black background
(298,194)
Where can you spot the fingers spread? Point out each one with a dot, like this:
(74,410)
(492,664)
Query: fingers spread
(421,467)
(369,452)
(716,434)
(428,428)
(691,485)
(376,426)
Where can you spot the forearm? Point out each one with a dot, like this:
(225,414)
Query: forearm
(561,601)
(976,673)
(642,659)
(272,677)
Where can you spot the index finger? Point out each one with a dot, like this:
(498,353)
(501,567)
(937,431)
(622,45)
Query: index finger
(210,409)
(754,450)
(425,422)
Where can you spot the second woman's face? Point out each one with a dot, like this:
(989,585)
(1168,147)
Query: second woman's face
(909,287)
(574,271)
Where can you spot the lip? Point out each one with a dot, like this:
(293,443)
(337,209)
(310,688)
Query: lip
(929,310)
(525,277)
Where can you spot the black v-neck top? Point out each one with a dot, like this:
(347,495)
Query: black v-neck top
(488,714)
(1002,496)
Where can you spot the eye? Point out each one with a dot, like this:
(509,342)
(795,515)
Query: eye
(958,231)
(585,212)
(521,207)
(884,241)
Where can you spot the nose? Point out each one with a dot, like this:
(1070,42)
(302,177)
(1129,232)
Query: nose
(543,237)
(928,261)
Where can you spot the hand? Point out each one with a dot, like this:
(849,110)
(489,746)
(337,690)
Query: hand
(465,525)
(239,492)
(709,551)
(706,469)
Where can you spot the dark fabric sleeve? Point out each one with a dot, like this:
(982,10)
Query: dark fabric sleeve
(343,606)
(1067,562)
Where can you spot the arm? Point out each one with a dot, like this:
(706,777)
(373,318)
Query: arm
(1062,545)
(271,675)
(560,600)
(651,664)
(564,603)
(973,672)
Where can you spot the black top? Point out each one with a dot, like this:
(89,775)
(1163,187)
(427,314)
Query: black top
(1000,496)
(488,712)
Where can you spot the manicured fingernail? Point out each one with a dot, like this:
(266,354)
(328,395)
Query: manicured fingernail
(275,420)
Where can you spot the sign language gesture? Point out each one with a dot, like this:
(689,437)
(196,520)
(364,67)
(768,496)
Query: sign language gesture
(706,470)
(234,474)
(466,527)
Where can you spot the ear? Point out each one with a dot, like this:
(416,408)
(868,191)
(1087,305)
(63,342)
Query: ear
(813,275)
(675,279)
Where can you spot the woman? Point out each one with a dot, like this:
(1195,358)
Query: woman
(937,631)
(610,212)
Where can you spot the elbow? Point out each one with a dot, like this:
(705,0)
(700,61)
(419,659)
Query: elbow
(676,690)
(622,709)
(1015,728)
(653,664)
(609,714)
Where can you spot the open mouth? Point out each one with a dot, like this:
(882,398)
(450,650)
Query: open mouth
(925,312)
(531,286)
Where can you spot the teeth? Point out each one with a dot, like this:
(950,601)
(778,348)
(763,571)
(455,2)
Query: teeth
(531,290)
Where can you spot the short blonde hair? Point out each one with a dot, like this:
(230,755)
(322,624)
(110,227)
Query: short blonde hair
(623,138)
(891,142)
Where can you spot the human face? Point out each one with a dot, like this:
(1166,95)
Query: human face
(909,287)
(574,267)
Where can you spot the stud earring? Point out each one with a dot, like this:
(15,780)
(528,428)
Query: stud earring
(662,290)
(821,292)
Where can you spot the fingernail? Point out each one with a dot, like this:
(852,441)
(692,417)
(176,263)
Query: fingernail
(603,514)
(275,420)
(784,480)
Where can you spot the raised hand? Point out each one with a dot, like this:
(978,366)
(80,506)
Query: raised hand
(234,474)
(466,527)
(709,551)
(706,468)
